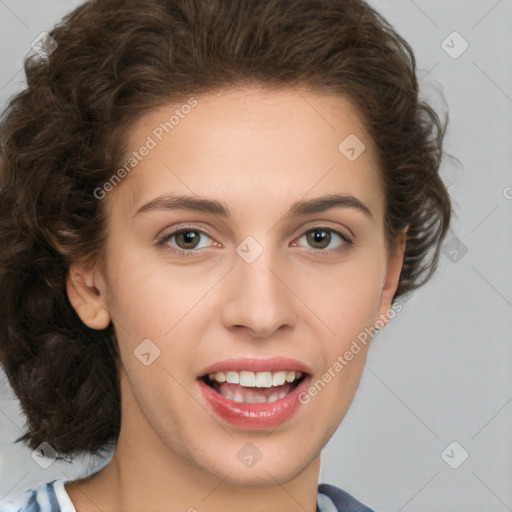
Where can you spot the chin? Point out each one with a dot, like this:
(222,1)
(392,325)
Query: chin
(271,468)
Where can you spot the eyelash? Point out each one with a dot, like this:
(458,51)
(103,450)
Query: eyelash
(163,241)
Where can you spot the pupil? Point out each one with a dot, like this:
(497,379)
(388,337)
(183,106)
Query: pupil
(319,238)
(189,237)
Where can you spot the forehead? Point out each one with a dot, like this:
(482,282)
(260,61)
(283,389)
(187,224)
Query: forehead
(284,143)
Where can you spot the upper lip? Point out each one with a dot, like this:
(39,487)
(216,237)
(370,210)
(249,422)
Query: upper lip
(256,364)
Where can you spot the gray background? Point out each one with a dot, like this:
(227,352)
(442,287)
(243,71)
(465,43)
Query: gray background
(439,372)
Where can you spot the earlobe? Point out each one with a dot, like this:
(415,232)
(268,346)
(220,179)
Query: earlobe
(392,278)
(87,297)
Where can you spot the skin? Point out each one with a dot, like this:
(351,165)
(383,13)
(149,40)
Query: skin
(258,151)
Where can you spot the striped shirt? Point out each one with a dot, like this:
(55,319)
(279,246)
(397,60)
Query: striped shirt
(52,497)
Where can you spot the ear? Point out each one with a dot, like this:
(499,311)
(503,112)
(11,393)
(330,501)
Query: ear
(391,280)
(86,291)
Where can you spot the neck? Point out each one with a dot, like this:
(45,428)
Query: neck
(134,490)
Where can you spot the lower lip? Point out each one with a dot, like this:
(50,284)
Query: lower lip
(256,415)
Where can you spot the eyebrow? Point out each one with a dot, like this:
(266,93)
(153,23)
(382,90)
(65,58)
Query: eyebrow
(299,207)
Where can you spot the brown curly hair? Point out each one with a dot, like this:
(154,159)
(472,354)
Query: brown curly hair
(64,136)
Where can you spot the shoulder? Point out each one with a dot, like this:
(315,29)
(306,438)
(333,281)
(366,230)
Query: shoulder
(329,495)
(46,497)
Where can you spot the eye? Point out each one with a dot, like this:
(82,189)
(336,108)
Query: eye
(324,238)
(185,239)
(190,239)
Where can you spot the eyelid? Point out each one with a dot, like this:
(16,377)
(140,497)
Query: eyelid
(327,225)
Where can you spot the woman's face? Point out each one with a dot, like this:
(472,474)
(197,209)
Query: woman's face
(246,245)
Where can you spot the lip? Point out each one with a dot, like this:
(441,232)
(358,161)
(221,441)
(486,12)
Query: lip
(256,364)
(254,415)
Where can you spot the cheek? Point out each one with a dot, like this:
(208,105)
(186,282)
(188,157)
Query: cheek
(152,301)
(346,298)
(148,297)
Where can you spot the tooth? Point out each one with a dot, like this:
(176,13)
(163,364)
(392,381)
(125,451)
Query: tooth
(263,379)
(290,376)
(282,394)
(278,378)
(227,394)
(238,397)
(254,398)
(273,397)
(232,378)
(219,377)
(247,379)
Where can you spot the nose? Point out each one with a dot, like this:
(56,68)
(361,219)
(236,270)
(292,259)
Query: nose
(259,298)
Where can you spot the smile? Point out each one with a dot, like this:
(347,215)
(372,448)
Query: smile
(254,393)
(254,387)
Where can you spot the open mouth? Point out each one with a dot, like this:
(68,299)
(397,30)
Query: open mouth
(254,387)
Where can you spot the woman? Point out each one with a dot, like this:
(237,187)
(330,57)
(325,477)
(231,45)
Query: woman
(208,208)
